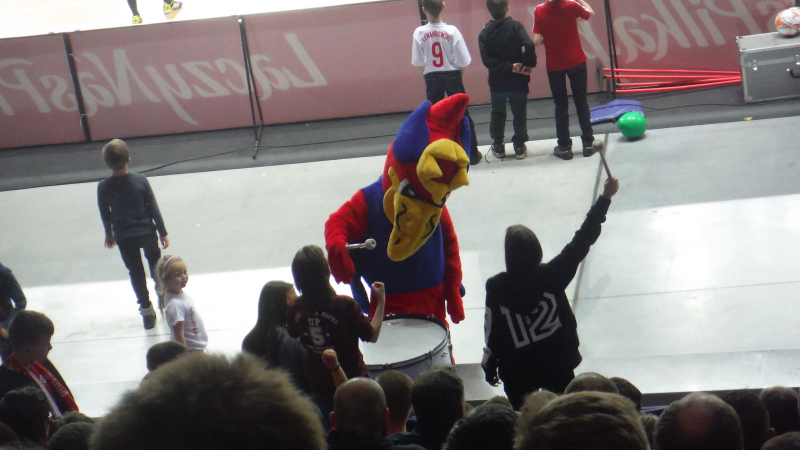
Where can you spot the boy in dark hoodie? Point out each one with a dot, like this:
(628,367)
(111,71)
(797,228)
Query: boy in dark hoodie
(531,332)
(507,51)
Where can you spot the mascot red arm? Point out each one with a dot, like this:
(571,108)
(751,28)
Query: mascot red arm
(417,255)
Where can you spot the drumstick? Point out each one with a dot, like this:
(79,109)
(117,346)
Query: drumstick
(605,163)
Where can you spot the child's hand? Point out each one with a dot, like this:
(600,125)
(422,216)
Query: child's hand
(110,243)
(379,290)
(164,242)
(610,188)
(329,360)
(516,68)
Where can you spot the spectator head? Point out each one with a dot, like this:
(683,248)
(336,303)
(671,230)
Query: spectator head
(533,403)
(30,334)
(312,274)
(523,251)
(397,388)
(489,426)
(162,353)
(7,435)
(359,406)
(629,391)
(786,441)
(116,154)
(26,412)
(437,397)
(272,303)
(497,8)
(699,421)
(73,436)
(433,7)
(591,381)
(584,421)
(202,401)
(500,401)
(649,423)
(753,417)
(73,417)
(781,402)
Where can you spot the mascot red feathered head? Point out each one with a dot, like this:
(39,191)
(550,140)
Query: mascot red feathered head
(426,161)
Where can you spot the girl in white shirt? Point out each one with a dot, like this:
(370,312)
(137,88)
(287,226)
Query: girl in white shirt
(185,324)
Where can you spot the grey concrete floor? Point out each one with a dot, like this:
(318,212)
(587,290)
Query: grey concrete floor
(693,284)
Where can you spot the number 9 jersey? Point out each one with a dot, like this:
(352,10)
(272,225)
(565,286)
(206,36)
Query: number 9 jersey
(439,47)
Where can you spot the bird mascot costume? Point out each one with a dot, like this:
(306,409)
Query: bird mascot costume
(404,211)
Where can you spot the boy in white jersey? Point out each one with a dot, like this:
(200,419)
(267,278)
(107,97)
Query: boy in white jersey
(440,50)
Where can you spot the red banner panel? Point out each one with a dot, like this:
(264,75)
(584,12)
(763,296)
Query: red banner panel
(163,78)
(37,97)
(686,34)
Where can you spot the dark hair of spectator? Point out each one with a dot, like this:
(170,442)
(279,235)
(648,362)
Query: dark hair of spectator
(533,403)
(649,423)
(584,421)
(28,328)
(629,391)
(397,388)
(489,426)
(497,8)
(434,7)
(753,417)
(500,401)
(73,417)
(116,154)
(25,411)
(312,276)
(7,435)
(437,396)
(162,353)
(202,401)
(781,402)
(591,381)
(698,421)
(265,338)
(786,441)
(359,405)
(73,436)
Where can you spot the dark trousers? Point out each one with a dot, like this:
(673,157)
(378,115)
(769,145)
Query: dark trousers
(449,82)
(519,110)
(578,83)
(130,248)
(516,390)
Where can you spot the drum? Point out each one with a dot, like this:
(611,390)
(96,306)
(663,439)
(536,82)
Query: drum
(409,343)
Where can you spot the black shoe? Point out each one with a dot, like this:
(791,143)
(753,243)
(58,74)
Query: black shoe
(520,151)
(498,150)
(475,157)
(148,317)
(564,153)
(593,147)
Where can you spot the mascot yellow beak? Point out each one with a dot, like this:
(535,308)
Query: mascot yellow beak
(416,215)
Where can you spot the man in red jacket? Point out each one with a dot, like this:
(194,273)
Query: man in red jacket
(555,25)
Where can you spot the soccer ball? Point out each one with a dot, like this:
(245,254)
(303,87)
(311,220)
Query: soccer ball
(788,22)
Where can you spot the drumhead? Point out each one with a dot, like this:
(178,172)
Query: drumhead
(405,339)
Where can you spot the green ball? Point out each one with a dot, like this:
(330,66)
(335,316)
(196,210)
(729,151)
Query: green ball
(632,125)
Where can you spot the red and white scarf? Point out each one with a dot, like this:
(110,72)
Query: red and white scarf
(48,383)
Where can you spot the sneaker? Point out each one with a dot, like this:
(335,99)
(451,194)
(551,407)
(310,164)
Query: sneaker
(594,147)
(564,153)
(520,151)
(148,317)
(498,150)
(475,157)
(137,20)
(172,7)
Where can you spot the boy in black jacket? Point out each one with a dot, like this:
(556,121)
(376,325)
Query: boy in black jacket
(507,51)
(131,218)
(531,332)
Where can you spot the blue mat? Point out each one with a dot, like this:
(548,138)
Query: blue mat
(614,109)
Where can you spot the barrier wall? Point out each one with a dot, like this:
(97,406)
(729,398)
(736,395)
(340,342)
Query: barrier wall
(316,64)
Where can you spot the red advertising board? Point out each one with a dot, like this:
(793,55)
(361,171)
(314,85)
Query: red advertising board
(37,97)
(163,78)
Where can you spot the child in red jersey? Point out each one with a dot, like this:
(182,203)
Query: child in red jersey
(323,320)
(555,26)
